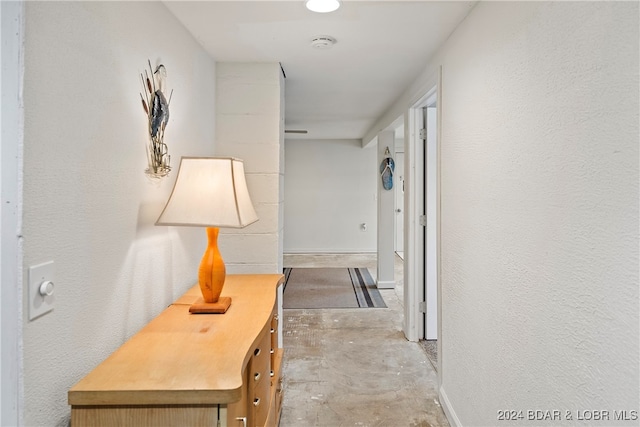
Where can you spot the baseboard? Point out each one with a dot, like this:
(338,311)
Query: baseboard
(449,412)
(386,284)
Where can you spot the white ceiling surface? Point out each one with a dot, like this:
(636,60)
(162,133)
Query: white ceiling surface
(335,93)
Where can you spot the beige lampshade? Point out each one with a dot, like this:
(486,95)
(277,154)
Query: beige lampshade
(209,192)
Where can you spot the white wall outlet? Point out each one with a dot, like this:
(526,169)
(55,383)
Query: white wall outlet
(41,289)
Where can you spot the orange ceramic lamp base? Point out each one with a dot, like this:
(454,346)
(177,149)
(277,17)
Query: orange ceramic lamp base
(211,277)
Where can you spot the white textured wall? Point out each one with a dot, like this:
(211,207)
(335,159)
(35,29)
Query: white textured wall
(87,204)
(540,210)
(12,71)
(539,213)
(250,126)
(330,188)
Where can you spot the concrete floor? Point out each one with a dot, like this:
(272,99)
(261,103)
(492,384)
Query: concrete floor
(354,367)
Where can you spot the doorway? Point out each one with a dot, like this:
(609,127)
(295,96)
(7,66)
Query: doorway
(422,211)
(399,191)
(430,287)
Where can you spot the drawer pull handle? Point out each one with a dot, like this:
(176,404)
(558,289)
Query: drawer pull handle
(271,373)
(275,317)
(244,421)
(256,352)
(273,331)
(256,401)
(256,376)
(271,351)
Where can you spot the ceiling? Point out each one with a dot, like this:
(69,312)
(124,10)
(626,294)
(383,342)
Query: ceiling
(335,93)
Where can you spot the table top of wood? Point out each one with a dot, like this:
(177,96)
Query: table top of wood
(183,358)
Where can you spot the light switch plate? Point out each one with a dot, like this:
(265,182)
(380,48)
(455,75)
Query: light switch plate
(40,304)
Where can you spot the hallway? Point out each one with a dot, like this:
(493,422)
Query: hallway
(354,367)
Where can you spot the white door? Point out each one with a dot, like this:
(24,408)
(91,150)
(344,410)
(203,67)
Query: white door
(399,203)
(430,249)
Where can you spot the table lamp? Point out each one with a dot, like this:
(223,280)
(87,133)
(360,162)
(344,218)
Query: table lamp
(210,192)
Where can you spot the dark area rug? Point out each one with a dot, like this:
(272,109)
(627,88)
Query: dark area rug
(330,288)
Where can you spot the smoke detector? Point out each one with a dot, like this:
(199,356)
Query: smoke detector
(322,42)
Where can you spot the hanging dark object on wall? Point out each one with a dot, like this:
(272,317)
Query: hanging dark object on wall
(156,106)
(387,166)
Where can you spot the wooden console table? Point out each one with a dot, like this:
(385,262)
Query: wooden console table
(194,369)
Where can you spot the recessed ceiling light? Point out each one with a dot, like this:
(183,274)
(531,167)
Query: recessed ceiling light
(322,6)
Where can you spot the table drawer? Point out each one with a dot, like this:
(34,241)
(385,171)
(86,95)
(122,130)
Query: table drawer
(259,367)
(274,335)
(261,401)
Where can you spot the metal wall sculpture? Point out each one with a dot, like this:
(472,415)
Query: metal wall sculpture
(156,105)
